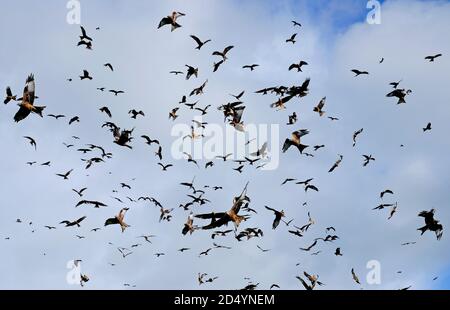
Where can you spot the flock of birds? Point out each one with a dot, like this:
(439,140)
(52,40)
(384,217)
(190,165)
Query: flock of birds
(240,210)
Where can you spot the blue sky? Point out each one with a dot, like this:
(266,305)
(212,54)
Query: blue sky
(334,39)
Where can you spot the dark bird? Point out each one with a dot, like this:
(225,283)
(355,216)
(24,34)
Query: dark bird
(148,140)
(317,147)
(367,159)
(296,140)
(74,119)
(400,94)
(74,223)
(199,42)
(296,23)
(427,128)
(190,158)
(199,90)
(106,110)
(358,72)
(164,167)
(223,54)
(298,66)
(108,65)
(382,206)
(65,176)
(101,88)
(116,92)
(27,103)
(217,65)
(356,134)
(355,277)
(159,152)
(96,204)
(336,164)
(84,35)
(287,180)
(320,106)
(50,227)
(251,67)
(176,72)
(292,119)
(80,192)
(134,114)
(333,118)
(292,39)
(395,84)
(432,58)
(9,96)
(85,75)
(278,216)
(31,141)
(87,44)
(338,252)
(431,224)
(173,114)
(191,71)
(58,116)
(171,20)
(387,191)
(309,247)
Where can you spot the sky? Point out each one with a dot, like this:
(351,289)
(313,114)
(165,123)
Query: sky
(334,39)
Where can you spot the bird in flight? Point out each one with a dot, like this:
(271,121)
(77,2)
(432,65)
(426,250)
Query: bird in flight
(319,106)
(27,101)
(358,72)
(295,141)
(171,20)
(118,219)
(251,67)
(278,216)
(292,39)
(432,57)
(199,42)
(298,66)
(431,224)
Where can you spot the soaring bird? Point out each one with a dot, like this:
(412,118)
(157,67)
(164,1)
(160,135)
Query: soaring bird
(367,159)
(134,114)
(84,35)
(278,216)
(32,141)
(292,119)
(358,72)
(9,95)
(296,23)
(65,176)
(191,71)
(223,218)
(400,94)
(96,204)
(320,106)
(199,42)
(224,53)
(106,110)
(427,128)
(356,134)
(118,219)
(387,191)
(336,164)
(27,104)
(355,277)
(298,66)
(108,65)
(295,140)
(116,92)
(171,20)
(74,119)
(431,224)
(292,39)
(85,75)
(251,67)
(73,223)
(433,57)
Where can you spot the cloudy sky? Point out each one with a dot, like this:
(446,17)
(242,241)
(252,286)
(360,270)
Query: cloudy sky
(334,38)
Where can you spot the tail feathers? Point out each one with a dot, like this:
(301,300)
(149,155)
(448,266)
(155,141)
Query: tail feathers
(302,147)
(38,110)
(124,226)
(401,100)
(423,229)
